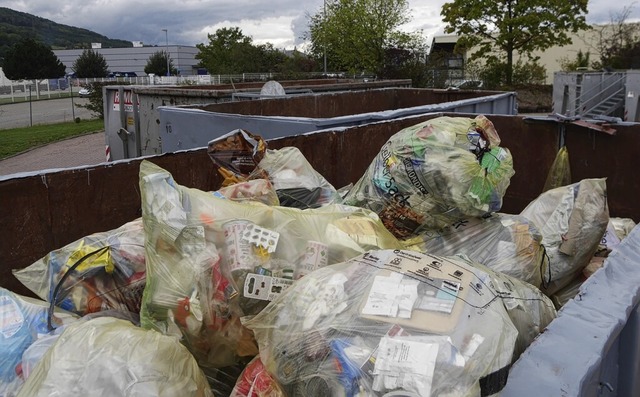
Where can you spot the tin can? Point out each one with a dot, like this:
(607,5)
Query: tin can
(315,256)
(239,251)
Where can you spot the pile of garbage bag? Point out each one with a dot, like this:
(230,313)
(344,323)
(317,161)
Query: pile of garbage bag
(211,261)
(408,283)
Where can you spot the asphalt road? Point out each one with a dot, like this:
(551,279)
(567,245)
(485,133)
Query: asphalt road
(42,112)
(78,151)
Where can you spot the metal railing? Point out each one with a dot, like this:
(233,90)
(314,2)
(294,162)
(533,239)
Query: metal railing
(618,93)
(588,100)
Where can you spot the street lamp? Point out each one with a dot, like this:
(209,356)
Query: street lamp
(324,38)
(166,34)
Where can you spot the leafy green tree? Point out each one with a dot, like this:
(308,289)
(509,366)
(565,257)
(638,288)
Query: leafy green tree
(30,60)
(493,73)
(356,34)
(502,28)
(270,59)
(157,64)
(90,64)
(296,66)
(227,51)
(231,52)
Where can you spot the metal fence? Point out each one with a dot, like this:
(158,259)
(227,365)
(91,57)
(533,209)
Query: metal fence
(19,91)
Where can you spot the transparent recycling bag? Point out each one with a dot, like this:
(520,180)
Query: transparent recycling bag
(256,190)
(510,244)
(241,156)
(393,323)
(112,357)
(256,381)
(211,260)
(529,309)
(22,321)
(434,173)
(560,172)
(102,271)
(572,220)
(298,185)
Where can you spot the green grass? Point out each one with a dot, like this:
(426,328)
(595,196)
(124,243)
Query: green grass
(17,140)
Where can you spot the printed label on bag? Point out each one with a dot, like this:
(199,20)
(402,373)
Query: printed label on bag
(391,296)
(265,288)
(11,318)
(437,299)
(402,362)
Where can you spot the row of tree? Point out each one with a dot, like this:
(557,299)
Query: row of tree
(29,59)
(366,36)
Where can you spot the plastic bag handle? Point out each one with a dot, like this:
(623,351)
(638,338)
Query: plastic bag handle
(64,278)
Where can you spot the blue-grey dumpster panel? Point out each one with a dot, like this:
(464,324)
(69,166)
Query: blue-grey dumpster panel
(187,128)
(577,355)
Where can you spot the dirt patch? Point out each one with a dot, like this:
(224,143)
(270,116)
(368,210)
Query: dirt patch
(534,98)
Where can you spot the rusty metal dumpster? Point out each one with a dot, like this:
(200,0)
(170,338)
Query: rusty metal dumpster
(590,350)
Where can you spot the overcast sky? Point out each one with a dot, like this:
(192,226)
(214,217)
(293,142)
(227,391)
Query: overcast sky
(280,22)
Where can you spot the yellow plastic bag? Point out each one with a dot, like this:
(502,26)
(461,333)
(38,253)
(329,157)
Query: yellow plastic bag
(560,172)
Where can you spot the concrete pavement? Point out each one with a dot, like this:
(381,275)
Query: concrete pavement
(82,150)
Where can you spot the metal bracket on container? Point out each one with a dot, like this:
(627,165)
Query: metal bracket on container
(603,126)
(123,133)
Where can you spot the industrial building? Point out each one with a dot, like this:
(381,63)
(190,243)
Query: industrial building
(134,59)
(551,58)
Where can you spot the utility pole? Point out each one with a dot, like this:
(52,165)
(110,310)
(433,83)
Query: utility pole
(166,35)
(324,38)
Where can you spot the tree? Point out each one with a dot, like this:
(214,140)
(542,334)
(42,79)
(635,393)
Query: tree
(228,52)
(618,43)
(30,60)
(90,64)
(231,52)
(355,35)
(157,64)
(400,63)
(501,28)
(581,61)
(295,66)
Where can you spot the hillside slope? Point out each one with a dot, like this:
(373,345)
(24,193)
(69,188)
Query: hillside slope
(16,25)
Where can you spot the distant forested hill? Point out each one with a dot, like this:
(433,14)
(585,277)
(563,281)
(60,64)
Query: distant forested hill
(15,25)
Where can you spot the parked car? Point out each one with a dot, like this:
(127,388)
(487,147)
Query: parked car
(466,85)
(122,74)
(84,92)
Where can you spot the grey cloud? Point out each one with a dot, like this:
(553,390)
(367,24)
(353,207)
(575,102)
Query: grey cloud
(144,20)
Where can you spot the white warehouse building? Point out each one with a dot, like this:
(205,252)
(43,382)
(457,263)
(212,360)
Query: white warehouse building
(134,59)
